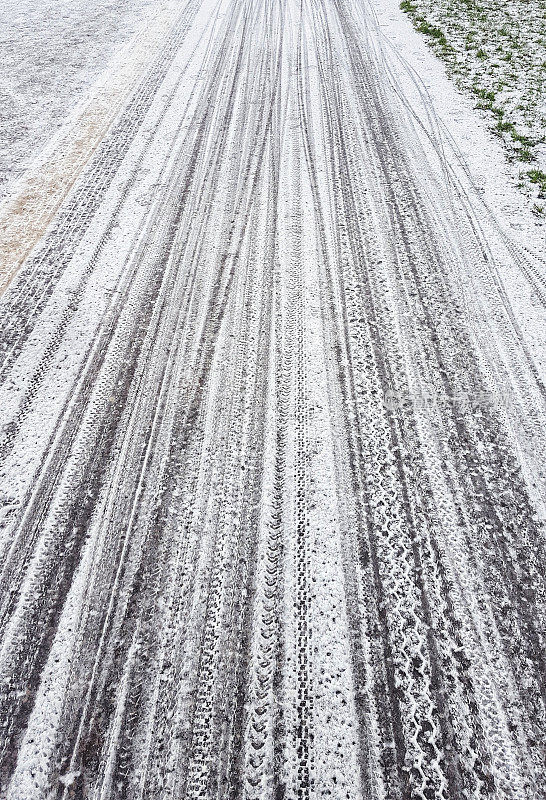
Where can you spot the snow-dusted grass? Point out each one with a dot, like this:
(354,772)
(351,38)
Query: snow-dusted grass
(496,49)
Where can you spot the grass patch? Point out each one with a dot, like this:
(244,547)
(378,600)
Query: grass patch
(504,127)
(496,52)
(522,139)
(538,177)
(526,156)
(430,30)
(484,94)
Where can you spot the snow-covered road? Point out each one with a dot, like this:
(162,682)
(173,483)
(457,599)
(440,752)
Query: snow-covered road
(273,425)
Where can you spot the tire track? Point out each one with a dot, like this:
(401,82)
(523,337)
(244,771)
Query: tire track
(271,511)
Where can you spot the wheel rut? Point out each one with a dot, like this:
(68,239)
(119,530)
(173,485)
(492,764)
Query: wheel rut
(271,428)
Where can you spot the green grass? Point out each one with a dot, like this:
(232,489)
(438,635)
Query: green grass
(496,52)
(430,30)
(538,177)
(522,139)
(422,25)
(526,156)
(484,94)
(504,127)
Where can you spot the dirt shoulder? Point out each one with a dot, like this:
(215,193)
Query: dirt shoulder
(50,54)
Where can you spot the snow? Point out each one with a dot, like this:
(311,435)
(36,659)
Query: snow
(50,54)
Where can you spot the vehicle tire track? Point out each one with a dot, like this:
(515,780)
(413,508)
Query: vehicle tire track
(271,412)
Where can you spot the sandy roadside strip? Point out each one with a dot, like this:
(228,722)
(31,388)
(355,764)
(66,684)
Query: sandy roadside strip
(28,210)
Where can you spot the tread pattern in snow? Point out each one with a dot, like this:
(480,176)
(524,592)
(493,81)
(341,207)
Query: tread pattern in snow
(271,430)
